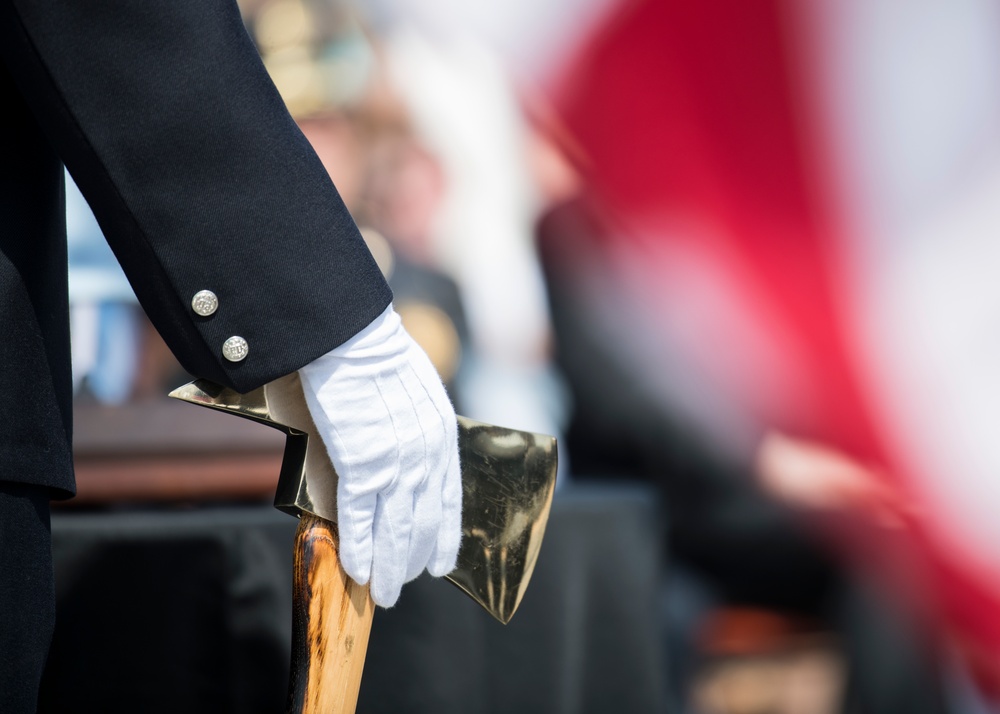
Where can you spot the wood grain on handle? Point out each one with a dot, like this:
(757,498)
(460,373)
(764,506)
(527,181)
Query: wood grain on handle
(331,620)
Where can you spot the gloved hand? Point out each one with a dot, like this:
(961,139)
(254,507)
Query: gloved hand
(391,433)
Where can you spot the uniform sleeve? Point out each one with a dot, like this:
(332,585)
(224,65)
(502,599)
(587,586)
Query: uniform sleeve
(200,179)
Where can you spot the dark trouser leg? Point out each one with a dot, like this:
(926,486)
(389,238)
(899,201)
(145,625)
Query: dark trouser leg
(27,594)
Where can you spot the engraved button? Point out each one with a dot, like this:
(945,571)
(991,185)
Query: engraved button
(235,348)
(205,302)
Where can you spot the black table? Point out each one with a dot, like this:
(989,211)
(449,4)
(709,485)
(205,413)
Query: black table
(174,609)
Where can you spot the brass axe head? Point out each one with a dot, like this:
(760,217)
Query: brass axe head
(508,478)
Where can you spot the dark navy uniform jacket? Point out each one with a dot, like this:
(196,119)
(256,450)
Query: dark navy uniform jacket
(165,117)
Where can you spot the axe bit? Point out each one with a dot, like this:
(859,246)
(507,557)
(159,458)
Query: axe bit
(508,479)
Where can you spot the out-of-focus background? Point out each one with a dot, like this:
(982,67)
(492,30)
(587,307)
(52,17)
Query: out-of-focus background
(740,258)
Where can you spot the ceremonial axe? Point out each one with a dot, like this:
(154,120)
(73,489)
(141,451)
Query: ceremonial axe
(508,478)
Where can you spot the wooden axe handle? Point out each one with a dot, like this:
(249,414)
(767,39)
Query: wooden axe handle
(331,620)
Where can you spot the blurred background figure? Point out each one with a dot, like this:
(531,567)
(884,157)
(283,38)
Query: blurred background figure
(398,191)
(392,185)
(464,107)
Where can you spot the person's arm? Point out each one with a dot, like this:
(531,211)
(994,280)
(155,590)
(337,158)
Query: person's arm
(171,127)
(242,253)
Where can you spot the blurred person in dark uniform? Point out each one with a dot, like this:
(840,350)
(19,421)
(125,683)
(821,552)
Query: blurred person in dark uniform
(402,197)
(329,70)
(393,186)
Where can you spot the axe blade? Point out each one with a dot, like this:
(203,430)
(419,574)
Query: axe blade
(508,480)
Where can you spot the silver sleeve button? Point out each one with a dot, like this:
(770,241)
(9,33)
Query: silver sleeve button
(204,303)
(235,349)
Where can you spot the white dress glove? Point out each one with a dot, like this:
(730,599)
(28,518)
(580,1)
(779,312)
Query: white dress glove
(392,436)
